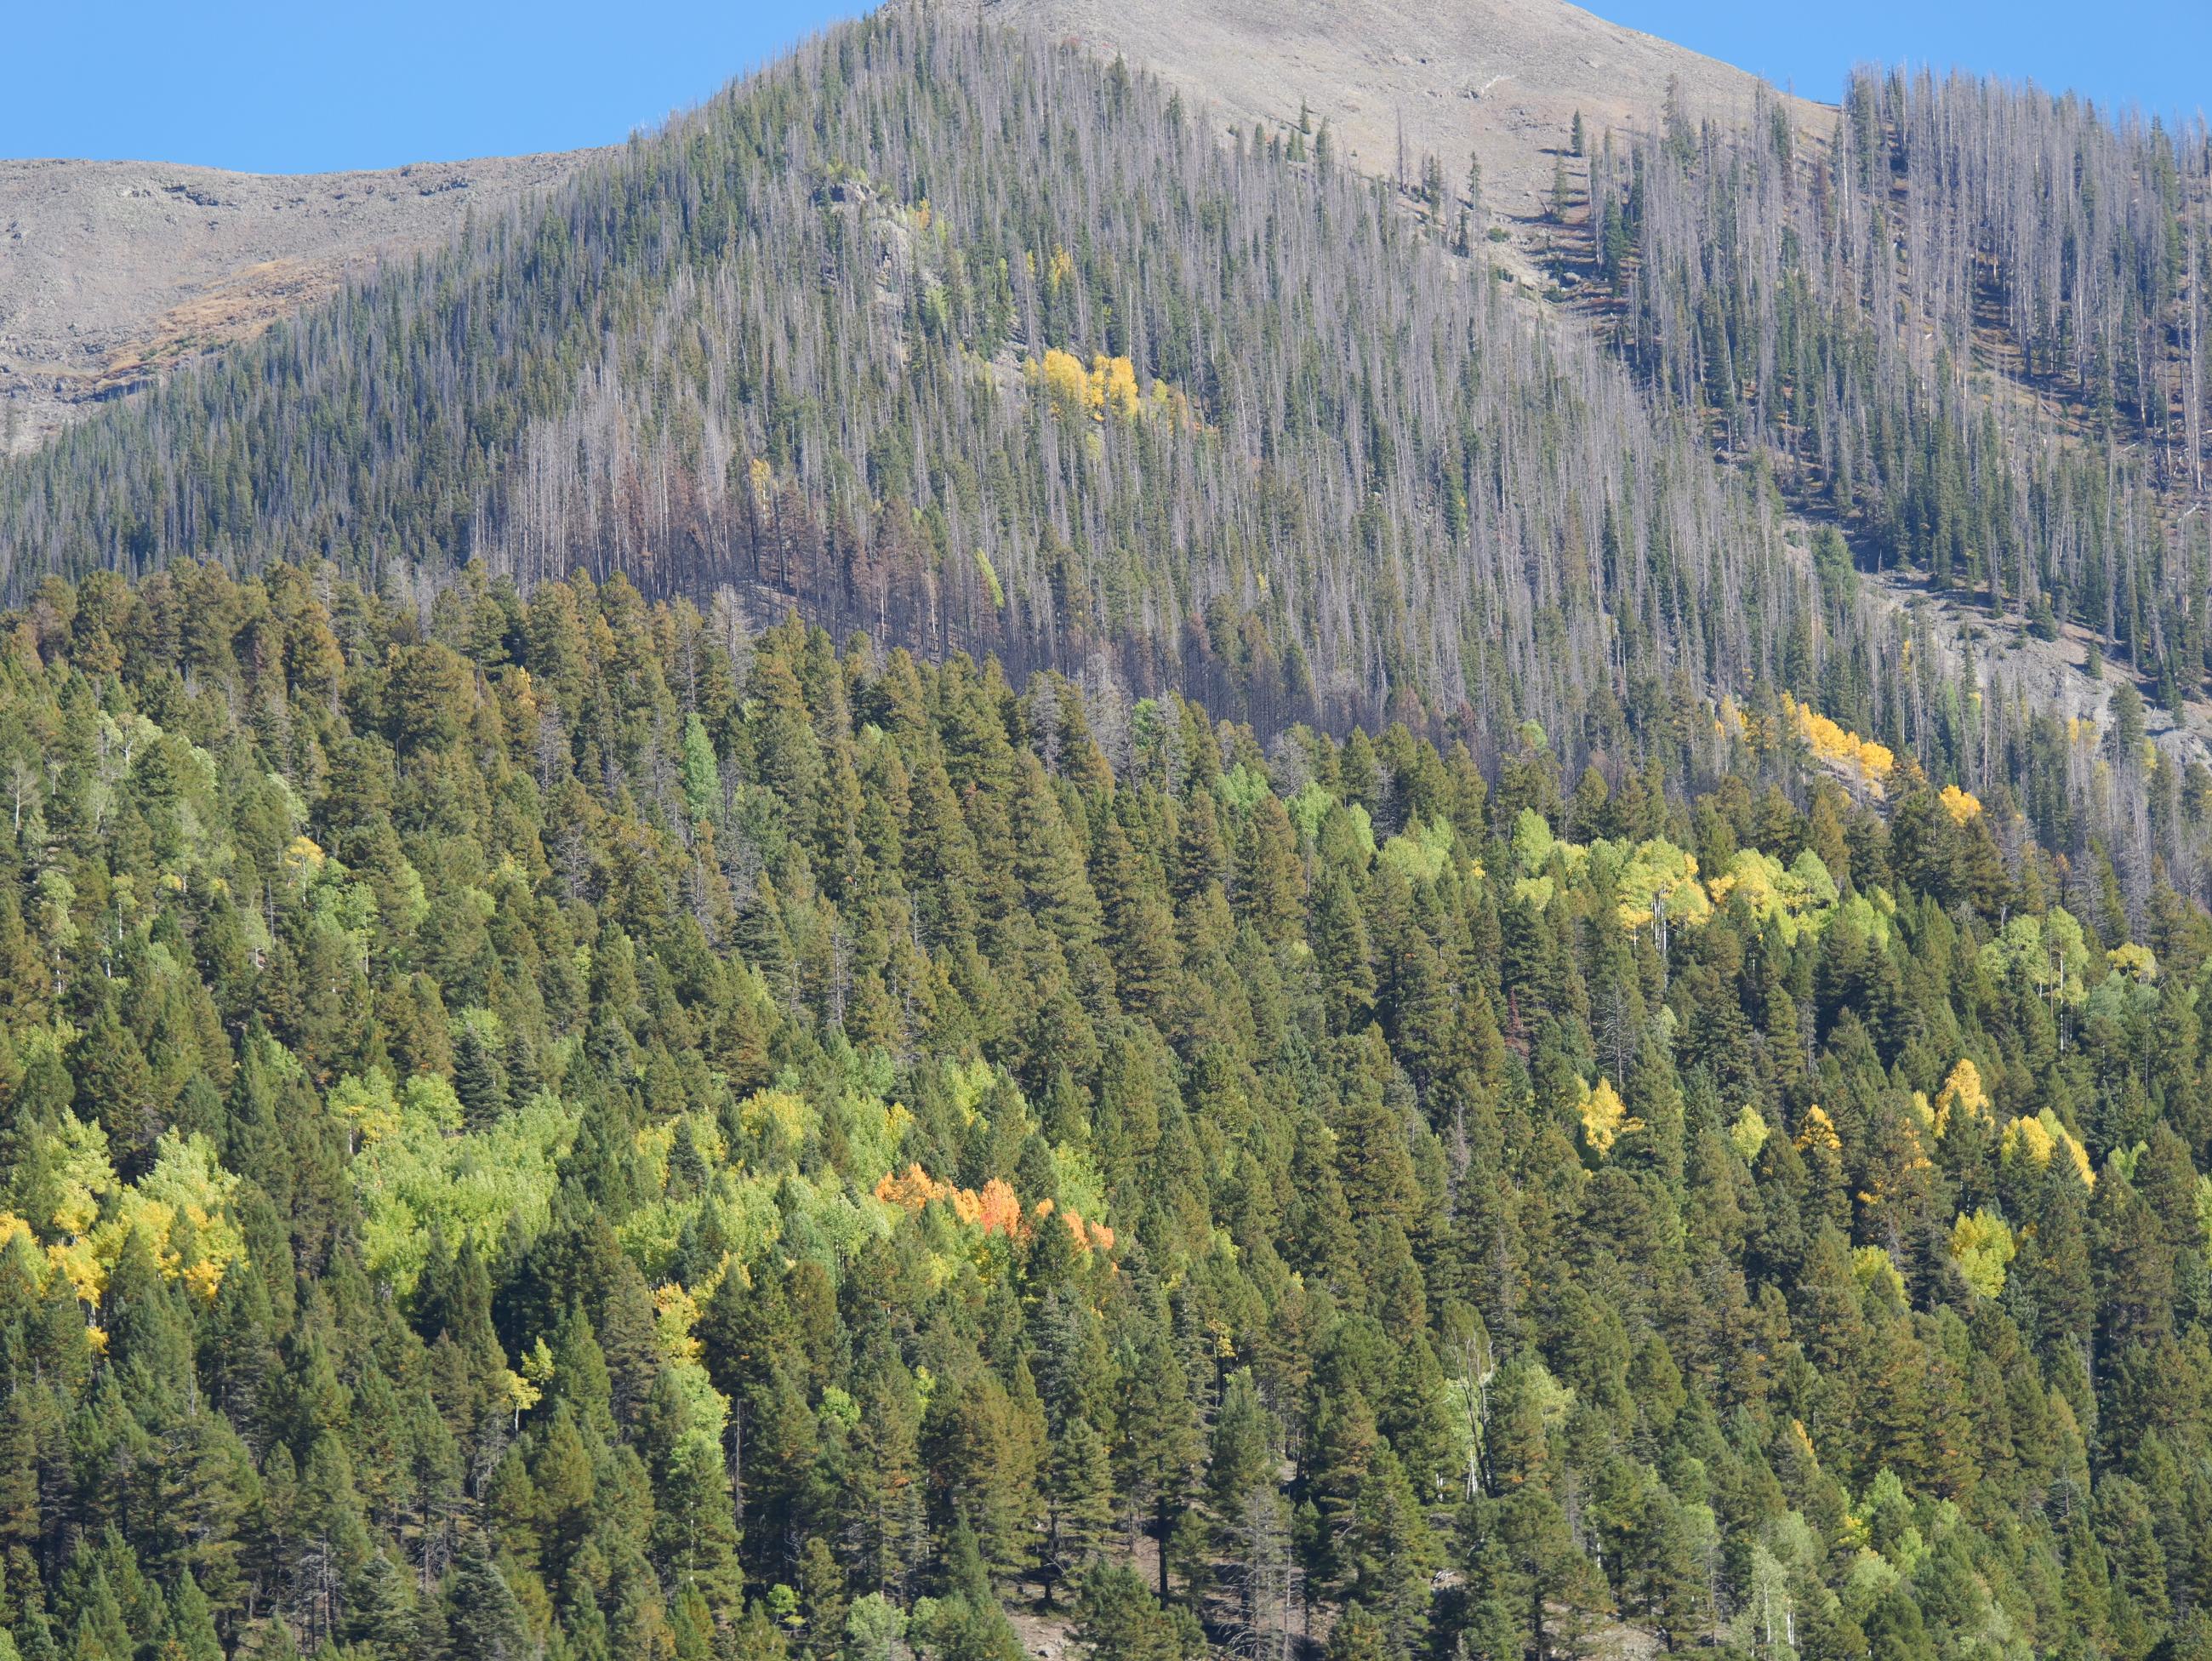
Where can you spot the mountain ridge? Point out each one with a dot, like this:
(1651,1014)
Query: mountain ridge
(111,273)
(1505,78)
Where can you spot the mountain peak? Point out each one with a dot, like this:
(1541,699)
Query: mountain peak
(1503,79)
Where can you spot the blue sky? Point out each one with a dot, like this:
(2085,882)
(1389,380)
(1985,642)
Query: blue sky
(302,86)
(290,87)
(2157,54)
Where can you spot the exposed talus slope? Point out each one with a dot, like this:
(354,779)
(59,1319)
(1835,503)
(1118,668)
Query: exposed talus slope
(113,273)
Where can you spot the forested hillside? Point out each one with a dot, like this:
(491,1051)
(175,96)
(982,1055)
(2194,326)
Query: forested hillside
(971,341)
(1972,328)
(549,1126)
(1969,334)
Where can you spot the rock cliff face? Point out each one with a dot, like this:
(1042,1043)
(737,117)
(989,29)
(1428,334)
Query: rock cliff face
(113,272)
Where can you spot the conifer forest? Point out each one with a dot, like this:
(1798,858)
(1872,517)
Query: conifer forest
(958,872)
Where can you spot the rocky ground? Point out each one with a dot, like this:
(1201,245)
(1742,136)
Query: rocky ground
(1502,78)
(112,272)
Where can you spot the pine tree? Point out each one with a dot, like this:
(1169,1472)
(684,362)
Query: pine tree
(1079,1502)
(822,1597)
(1139,925)
(191,1624)
(1160,1448)
(1342,954)
(481,1617)
(478,1079)
(1250,1516)
(1117,1620)
(1391,1555)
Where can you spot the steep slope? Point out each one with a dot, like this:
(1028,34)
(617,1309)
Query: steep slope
(1503,79)
(1968,335)
(777,1117)
(113,273)
(976,342)
(964,338)
(1963,323)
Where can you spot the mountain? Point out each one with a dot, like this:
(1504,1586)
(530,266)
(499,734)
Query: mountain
(1960,322)
(113,273)
(1966,338)
(958,869)
(1501,80)
(969,340)
(1899,409)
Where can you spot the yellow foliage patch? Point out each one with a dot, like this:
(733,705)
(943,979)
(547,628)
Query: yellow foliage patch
(913,1191)
(1963,1094)
(2040,1139)
(1960,804)
(1109,386)
(995,1208)
(97,1213)
(1818,1130)
(1660,878)
(675,1312)
(303,857)
(1605,1117)
(1873,1266)
(787,1113)
(1749,1133)
(1836,746)
(2135,960)
(1982,1243)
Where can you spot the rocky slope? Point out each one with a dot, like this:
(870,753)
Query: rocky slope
(112,272)
(1502,78)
